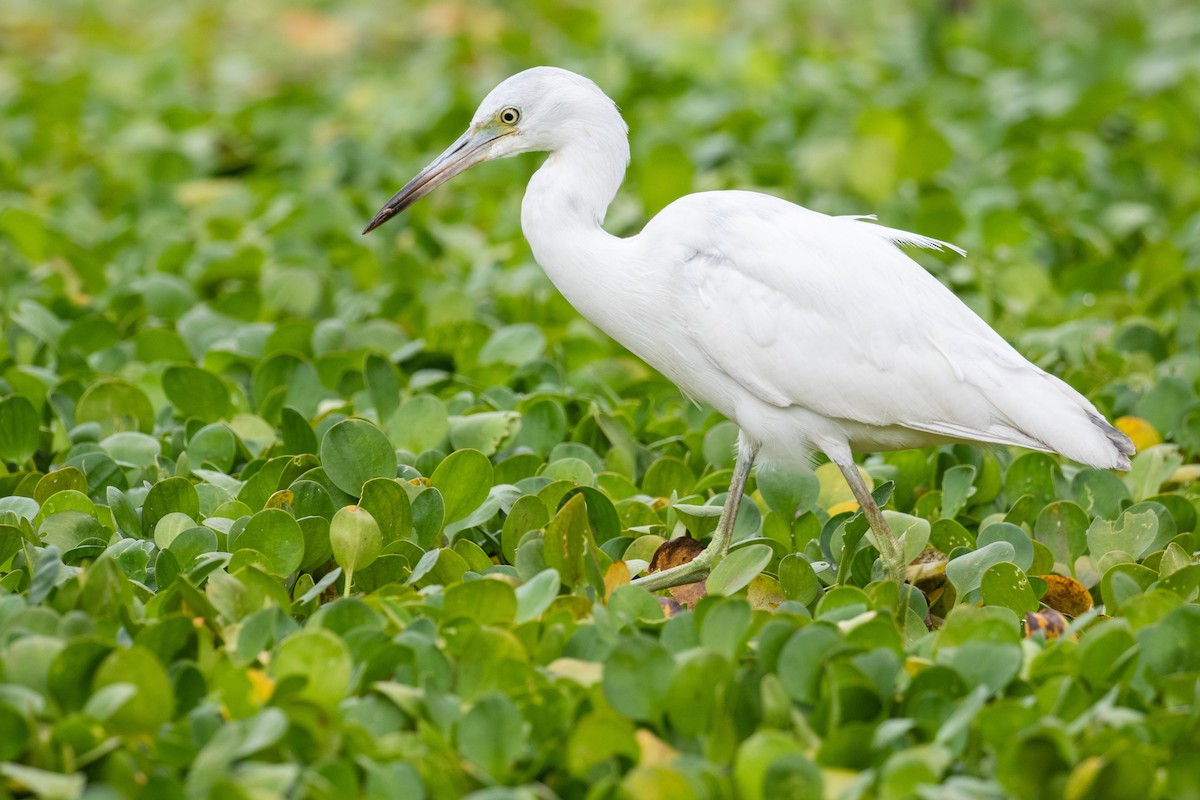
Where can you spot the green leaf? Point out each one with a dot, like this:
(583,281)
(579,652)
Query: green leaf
(1004,584)
(353,452)
(420,424)
(276,535)
(355,538)
(321,659)
(637,675)
(464,478)
(489,602)
(966,571)
(19,431)
(566,541)
(738,568)
(484,432)
(536,594)
(154,702)
(196,393)
(117,406)
(382,384)
(493,735)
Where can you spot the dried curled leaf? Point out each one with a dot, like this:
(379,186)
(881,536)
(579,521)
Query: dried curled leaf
(675,552)
(1049,622)
(616,575)
(1066,595)
(928,570)
(689,594)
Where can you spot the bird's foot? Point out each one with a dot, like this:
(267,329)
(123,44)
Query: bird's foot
(695,570)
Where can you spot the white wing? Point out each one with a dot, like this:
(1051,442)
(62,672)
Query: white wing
(825,313)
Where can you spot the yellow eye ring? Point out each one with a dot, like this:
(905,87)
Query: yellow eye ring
(510,116)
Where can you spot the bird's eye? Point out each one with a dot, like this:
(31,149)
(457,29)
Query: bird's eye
(510,116)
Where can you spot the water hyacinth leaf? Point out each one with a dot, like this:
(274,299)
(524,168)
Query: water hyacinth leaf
(387,502)
(738,568)
(535,595)
(484,432)
(1005,584)
(789,489)
(19,432)
(382,384)
(956,489)
(154,702)
(421,423)
(174,495)
(798,579)
(320,659)
(353,452)
(1007,532)
(966,571)
(489,602)
(493,735)
(117,406)
(276,535)
(513,344)
(566,540)
(637,675)
(464,478)
(196,392)
(355,540)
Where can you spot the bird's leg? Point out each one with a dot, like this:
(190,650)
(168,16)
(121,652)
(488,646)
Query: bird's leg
(699,567)
(890,552)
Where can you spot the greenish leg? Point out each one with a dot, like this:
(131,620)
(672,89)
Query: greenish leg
(699,567)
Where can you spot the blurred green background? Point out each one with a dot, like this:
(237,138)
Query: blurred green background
(234,150)
(188,316)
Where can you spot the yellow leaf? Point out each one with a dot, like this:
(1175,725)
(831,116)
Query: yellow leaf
(846,505)
(655,752)
(261,686)
(1066,595)
(616,575)
(1140,431)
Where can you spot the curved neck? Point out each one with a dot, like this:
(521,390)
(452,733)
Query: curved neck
(573,189)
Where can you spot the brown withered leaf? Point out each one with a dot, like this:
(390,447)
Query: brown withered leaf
(689,594)
(669,607)
(616,575)
(928,570)
(1066,595)
(1048,621)
(675,552)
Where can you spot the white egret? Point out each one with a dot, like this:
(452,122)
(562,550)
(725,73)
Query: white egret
(811,332)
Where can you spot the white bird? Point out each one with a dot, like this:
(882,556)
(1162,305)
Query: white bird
(810,332)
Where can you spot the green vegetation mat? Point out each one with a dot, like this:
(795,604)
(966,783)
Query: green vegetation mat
(286,512)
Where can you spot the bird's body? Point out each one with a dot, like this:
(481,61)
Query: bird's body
(811,332)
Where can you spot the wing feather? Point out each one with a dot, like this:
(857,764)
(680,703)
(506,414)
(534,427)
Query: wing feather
(825,313)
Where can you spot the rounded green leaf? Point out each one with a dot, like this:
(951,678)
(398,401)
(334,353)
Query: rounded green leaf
(637,675)
(489,602)
(353,452)
(19,429)
(738,568)
(117,406)
(493,734)
(153,703)
(195,392)
(355,538)
(276,534)
(464,478)
(165,497)
(1004,584)
(321,659)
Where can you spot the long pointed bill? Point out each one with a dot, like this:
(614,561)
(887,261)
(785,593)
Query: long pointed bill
(470,149)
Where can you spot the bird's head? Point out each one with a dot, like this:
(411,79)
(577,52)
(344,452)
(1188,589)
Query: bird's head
(540,109)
